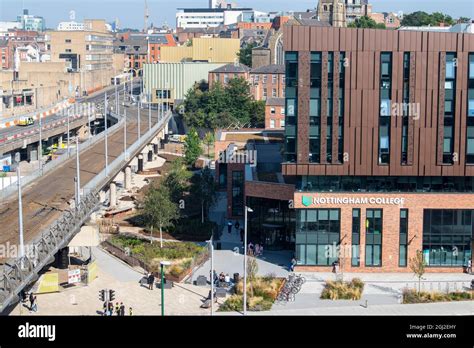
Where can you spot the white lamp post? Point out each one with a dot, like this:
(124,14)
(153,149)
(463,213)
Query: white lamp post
(247,210)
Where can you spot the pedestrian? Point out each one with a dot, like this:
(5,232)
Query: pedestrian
(130,311)
(293,264)
(122,309)
(31,298)
(469,267)
(104,308)
(34,305)
(117,309)
(237,225)
(242,235)
(111,309)
(229,226)
(250,248)
(151,280)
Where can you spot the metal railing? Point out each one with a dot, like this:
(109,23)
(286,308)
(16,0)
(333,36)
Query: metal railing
(17,273)
(11,189)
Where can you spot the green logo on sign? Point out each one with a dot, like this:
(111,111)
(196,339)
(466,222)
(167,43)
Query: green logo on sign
(307,201)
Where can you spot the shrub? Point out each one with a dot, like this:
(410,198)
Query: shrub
(265,290)
(412,296)
(339,290)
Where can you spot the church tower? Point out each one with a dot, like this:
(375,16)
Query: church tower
(333,12)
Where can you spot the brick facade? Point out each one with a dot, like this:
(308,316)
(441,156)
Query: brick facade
(414,202)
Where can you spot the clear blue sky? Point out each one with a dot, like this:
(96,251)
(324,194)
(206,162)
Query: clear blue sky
(130,12)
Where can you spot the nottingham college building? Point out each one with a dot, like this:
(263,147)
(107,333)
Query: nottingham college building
(378,152)
(379,140)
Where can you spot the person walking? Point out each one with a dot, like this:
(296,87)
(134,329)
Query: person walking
(34,305)
(122,309)
(31,298)
(469,267)
(292,264)
(111,309)
(242,235)
(229,226)
(130,311)
(237,226)
(151,280)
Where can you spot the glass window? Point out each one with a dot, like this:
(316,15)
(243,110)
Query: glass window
(449,245)
(373,243)
(322,229)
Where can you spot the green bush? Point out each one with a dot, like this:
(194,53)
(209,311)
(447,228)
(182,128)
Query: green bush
(235,304)
(148,252)
(413,296)
(339,290)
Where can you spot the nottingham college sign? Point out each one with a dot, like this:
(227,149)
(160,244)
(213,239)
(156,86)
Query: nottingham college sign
(311,200)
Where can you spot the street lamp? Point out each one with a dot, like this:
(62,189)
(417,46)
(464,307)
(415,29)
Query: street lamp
(247,210)
(163,264)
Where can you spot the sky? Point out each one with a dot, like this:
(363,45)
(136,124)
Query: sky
(130,12)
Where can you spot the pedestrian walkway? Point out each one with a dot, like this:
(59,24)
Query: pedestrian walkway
(231,262)
(182,299)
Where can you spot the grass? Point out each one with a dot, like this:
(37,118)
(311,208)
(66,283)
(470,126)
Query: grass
(180,254)
(413,296)
(261,294)
(339,290)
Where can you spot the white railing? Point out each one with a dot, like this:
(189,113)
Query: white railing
(9,190)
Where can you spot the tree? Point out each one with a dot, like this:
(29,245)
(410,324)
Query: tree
(366,22)
(245,54)
(221,107)
(252,270)
(177,179)
(418,265)
(192,147)
(209,140)
(159,210)
(204,188)
(421,18)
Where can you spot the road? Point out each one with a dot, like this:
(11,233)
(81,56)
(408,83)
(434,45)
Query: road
(96,98)
(45,199)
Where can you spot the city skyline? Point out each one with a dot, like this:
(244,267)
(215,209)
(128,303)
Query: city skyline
(55,11)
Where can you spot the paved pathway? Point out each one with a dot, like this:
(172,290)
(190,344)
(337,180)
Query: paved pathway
(183,299)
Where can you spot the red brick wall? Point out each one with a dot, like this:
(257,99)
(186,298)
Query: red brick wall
(414,202)
(214,77)
(257,88)
(277,116)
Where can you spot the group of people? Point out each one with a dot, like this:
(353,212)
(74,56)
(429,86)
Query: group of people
(150,280)
(255,250)
(238,229)
(108,309)
(221,280)
(29,297)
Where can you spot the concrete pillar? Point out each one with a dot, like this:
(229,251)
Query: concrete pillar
(128,178)
(60,141)
(32,152)
(102,196)
(140,163)
(113,195)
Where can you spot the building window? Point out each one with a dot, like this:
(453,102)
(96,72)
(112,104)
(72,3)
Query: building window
(373,237)
(274,79)
(291,71)
(264,79)
(314,149)
(355,257)
(68,40)
(274,92)
(226,78)
(237,193)
(385,107)
(272,110)
(317,236)
(282,123)
(447,237)
(272,123)
(470,113)
(449,102)
(403,251)
(406,100)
